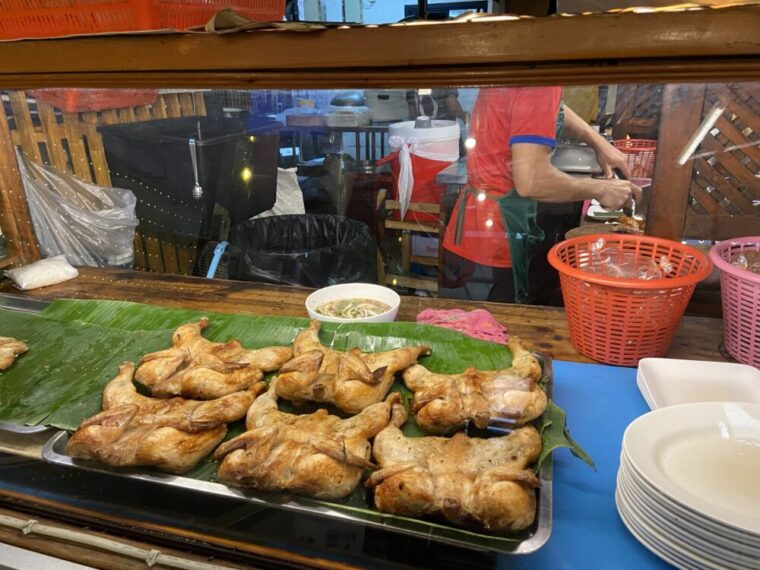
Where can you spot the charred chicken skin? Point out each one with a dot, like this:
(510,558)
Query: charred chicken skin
(198,368)
(351,380)
(10,349)
(170,434)
(446,402)
(318,455)
(471,482)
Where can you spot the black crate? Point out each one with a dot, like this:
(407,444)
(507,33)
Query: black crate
(237,168)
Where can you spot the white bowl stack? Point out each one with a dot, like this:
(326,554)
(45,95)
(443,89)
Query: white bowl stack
(688,487)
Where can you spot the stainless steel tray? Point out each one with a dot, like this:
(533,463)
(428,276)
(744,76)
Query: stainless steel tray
(15,428)
(527,542)
(18,303)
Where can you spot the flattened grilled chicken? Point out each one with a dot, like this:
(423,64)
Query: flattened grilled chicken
(172,435)
(317,454)
(444,402)
(10,349)
(351,380)
(197,368)
(483,483)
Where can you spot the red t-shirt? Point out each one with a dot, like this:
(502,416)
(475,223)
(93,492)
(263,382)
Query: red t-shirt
(501,117)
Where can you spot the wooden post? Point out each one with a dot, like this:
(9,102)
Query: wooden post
(14,211)
(681,115)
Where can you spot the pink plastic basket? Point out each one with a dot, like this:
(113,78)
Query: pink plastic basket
(740,292)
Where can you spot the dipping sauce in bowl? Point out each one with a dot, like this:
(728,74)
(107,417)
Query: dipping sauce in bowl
(353,302)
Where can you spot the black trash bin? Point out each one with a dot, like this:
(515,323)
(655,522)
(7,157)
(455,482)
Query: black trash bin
(313,250)
(237,168)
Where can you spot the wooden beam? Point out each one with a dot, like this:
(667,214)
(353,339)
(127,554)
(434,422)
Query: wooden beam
(586,72)
(671,182)
(699,33)
(720,227)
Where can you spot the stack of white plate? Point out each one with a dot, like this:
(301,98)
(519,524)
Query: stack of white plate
(688,487)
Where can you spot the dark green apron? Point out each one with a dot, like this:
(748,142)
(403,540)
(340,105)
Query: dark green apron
(519,215)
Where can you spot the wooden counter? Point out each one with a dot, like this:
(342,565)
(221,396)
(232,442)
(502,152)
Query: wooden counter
(542,328)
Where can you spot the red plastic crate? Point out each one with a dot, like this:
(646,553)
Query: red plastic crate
(82,100)
(50,18)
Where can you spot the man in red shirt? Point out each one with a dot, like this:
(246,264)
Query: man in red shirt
(513,132)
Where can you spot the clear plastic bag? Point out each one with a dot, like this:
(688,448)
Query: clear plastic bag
(611,261)
(749,260)
(89,224)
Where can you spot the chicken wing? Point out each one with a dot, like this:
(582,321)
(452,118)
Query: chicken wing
(351,380)
(10,349)
(319,455)
(472,482)
(172,435)
(196,367)
(445,402)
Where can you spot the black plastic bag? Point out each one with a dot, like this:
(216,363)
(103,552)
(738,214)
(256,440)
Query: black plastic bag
(313,250)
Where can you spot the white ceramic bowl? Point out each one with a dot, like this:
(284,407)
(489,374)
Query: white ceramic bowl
(350,291)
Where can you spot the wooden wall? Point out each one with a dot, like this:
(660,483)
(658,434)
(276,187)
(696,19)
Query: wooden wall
(71,142)
(715,195)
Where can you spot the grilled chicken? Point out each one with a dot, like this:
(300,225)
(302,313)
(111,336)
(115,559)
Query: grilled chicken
(319,455)
(351,380)
(172,435)
(10,349)
(445,402)
(198,368)
(471,482)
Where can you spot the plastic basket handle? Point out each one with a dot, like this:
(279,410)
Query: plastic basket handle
(218,252)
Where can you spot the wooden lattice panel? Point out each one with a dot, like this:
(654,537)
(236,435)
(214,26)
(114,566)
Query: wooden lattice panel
(71,142)
(637,111)
(724,195)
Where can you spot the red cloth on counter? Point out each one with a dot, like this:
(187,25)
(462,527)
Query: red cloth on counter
(477,324)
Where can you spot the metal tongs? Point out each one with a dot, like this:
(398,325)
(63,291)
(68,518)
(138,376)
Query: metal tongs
(628,211)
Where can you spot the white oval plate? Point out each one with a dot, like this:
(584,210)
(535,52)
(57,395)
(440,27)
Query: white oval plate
(691,521)
(634,527)
(704,455)
(705,546)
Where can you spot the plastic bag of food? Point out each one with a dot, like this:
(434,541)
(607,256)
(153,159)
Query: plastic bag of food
(748,260)
(611,261)
(89,224)
(42,273)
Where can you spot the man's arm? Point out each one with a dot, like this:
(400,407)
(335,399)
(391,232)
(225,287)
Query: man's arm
(535,177)
(607,155)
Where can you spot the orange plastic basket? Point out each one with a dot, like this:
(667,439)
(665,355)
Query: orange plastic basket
(50,18)
(640,154)
(620,321)
(81,100)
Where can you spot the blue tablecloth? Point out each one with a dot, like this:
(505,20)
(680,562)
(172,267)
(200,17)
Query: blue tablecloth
(587,532)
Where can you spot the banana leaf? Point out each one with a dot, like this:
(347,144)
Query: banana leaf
(77,345)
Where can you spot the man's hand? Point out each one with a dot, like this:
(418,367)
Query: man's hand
(615,194)
(610,158)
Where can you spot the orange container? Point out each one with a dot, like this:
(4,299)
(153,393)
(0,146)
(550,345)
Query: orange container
(81,100)
(620,321)
(50,18)
(640,155)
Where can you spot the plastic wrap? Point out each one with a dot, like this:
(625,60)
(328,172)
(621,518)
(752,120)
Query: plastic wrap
(313,250)
(42,273)
(89,224)
(749,260)
(611,261)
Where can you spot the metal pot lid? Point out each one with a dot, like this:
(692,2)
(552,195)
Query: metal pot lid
(575,158)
